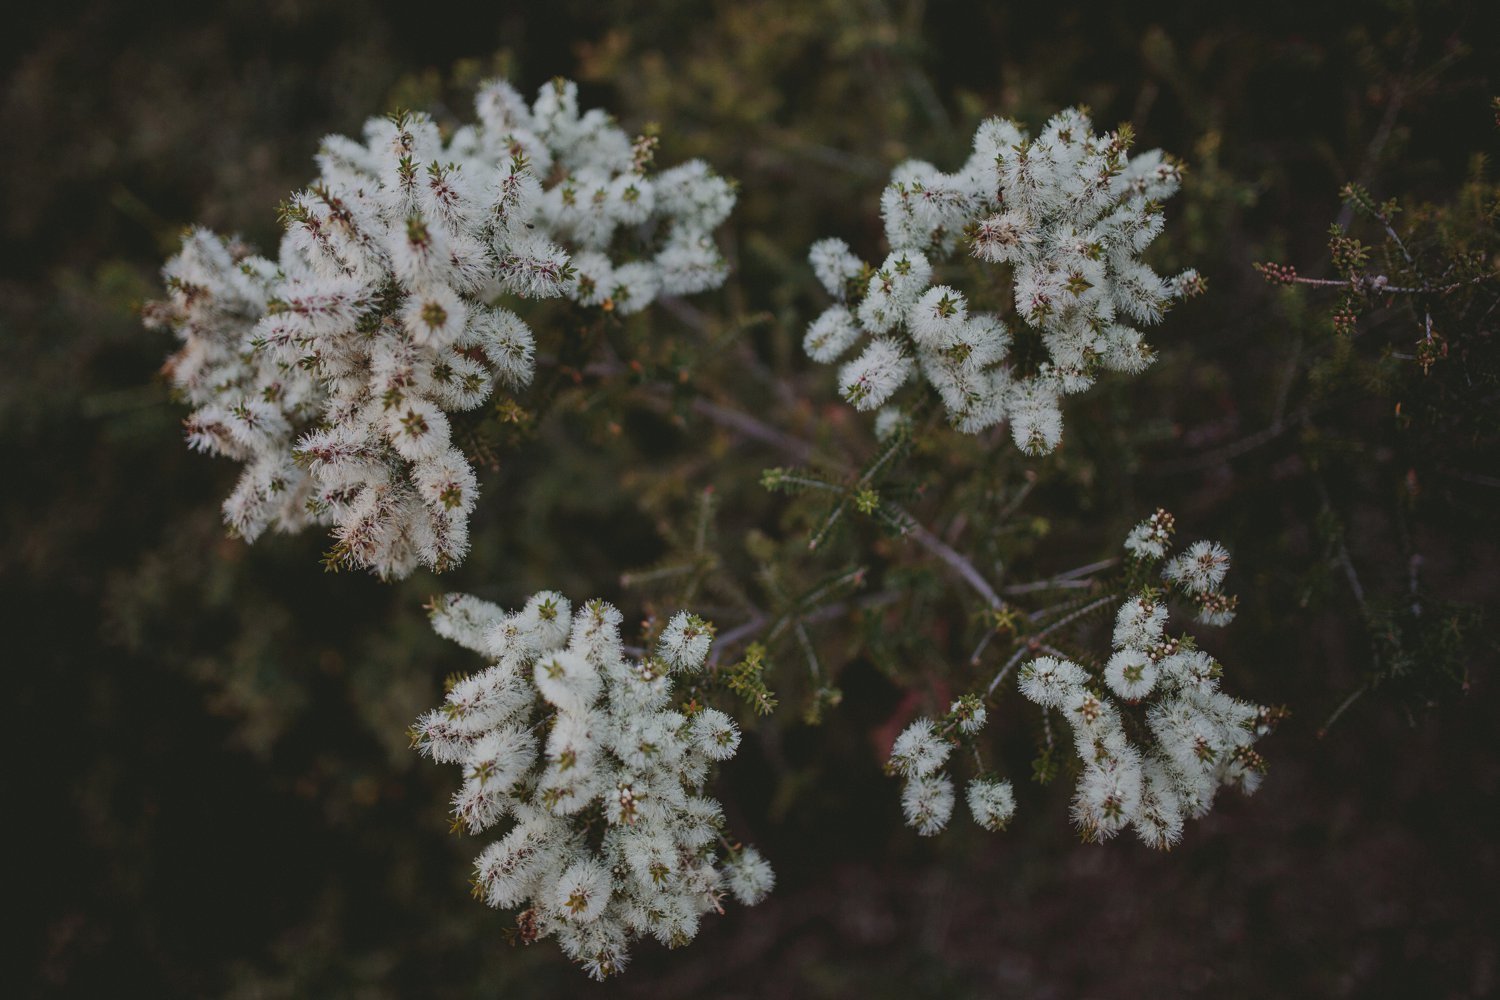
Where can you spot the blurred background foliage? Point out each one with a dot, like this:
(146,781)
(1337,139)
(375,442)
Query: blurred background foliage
(214,795)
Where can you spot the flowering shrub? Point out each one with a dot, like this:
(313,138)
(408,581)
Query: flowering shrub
(601,773)
(1334,428)
(341,375)
(334,372)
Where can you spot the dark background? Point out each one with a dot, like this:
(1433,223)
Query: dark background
(210,791)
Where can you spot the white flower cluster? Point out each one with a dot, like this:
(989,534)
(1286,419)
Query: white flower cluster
(919,754)
(331,372)
(1070,213)
(612,837)
(1197,573)
(1200,737)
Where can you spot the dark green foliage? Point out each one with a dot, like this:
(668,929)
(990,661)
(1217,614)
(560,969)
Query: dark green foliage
(1412,327)
(1424,649)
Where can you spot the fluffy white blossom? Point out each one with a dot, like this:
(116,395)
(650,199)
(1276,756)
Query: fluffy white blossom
(870,379)
(562,738)
(968,714)
(992,802)
(684,642)
(927,802)
(890,421)
(714,734)
(919,750)
(1202,567)
(1139,623)
(1049,681)
(1130,673)
(1069,214)
(831,334)
(334,372)
(749,876)
(1198,572)
(919,754)
(1200,738)
(835,266)
(1035,416)
(1151,538)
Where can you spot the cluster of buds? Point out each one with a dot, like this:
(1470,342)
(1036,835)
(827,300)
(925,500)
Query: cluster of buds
(1276,274)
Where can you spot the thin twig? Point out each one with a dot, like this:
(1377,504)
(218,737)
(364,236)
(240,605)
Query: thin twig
(984,643)
(645,576)
(1217,456)
(689,314)
(1020,497)
(1092,567)
(759,620)
(1072,616)
(1343,707)
(760,431)
(955,561)
(1015,658)
(1034,642)
(1288,379)
(1375,285)
(736,635)
(752,428)
(1067,580)
(1386,127)
(1036,585)
(814,667)
(1341,551)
